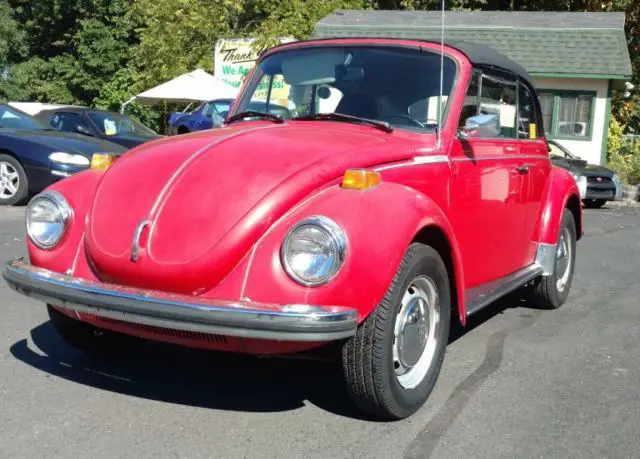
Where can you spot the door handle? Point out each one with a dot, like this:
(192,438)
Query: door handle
(523,169)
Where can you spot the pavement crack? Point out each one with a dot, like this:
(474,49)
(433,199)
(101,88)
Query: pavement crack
(429,437)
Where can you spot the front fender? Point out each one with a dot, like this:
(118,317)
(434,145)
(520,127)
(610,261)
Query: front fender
(561,192)
(379,224)
(78,190)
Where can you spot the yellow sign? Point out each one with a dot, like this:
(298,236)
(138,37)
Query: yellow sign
(532,130)
(233,60)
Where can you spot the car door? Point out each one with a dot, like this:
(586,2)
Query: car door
(487,187)
(535,163)
(203,120)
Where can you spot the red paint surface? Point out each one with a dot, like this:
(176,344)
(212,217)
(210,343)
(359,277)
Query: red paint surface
(220,203)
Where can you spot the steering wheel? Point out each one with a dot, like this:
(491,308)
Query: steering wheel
(412,121)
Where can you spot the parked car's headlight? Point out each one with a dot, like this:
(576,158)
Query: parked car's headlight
(68,159)
(47,216)
(581,181)
(313,251)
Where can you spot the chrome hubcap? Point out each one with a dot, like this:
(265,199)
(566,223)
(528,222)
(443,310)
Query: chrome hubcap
(9,180)
(563,260)
(415,332)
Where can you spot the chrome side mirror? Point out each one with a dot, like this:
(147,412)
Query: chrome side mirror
(480,126)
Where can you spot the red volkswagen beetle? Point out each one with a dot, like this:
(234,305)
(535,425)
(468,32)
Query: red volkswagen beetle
(407,190)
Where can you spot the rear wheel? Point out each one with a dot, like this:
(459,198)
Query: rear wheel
(14,188)
(392,363)
(594,203)
(182,130)
(88,338)
(551,291)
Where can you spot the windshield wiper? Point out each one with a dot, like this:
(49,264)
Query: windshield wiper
(382,125)
(250,113)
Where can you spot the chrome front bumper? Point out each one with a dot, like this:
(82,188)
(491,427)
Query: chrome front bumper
(292,322)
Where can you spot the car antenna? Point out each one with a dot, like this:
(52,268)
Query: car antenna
(438,131)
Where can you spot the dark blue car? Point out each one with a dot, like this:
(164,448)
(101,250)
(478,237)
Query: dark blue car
(212,114)
(33,156)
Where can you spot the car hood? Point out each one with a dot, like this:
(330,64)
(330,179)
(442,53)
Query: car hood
(582,167)
(208,197)
(64,141)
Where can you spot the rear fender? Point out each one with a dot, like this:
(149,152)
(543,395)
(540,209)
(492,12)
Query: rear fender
(379,224)
(561,192)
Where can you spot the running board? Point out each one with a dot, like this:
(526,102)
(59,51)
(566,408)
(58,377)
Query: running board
(483,295)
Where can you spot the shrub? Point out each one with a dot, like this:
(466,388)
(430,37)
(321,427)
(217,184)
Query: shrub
(623,154)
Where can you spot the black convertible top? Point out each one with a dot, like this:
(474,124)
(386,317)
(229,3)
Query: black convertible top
(484,56)
(480,55)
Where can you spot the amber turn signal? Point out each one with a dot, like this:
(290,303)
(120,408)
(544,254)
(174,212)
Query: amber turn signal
(102,161)
(360,179)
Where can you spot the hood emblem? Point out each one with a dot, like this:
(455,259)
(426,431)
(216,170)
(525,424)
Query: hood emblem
(599,179)
(139,237)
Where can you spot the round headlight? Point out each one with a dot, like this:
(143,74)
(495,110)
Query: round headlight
(47,217)
(313,251)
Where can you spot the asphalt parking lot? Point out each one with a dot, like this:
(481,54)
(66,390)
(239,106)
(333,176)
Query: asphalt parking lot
(519,382)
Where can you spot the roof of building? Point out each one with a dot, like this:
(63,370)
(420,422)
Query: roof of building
(544,43)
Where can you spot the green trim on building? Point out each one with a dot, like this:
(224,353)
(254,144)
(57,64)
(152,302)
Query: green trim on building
(594,76)
(607,120)
(557,94)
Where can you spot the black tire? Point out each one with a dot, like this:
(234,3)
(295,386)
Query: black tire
(21,195)
(367,357)
(182,130)
(546,292)
(594,203)
(88,338)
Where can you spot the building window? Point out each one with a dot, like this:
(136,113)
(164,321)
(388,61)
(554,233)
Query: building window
(567,114)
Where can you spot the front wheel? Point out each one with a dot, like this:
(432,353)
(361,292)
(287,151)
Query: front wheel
(551,291)
(392,363)
(594,203)
(14,188)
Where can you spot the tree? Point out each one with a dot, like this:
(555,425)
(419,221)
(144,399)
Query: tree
(12,39)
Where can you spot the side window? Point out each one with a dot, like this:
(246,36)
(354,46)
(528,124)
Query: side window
(470,105)
(527,125)
(498,99)
(63,121)
(207,110)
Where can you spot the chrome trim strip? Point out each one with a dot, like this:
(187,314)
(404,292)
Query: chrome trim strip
(483,295)
(546,258)
(430,159)
(417,160)
(135,244)
(497,157)
(292,322)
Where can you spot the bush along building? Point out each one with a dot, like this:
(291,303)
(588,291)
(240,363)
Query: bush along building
(575,59)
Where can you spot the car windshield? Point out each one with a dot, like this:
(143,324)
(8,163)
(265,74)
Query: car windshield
(11,118)
(557,152)
(395,85)
(115,124)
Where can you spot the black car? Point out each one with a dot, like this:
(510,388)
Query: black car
(33,156)
(110,126)
(597,184)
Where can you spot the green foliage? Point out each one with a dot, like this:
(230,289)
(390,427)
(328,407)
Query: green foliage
(623,154)
(12,39)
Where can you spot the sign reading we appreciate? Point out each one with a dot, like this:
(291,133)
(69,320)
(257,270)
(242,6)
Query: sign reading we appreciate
(233,60)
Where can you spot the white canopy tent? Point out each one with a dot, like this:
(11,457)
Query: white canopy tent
(196,86)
